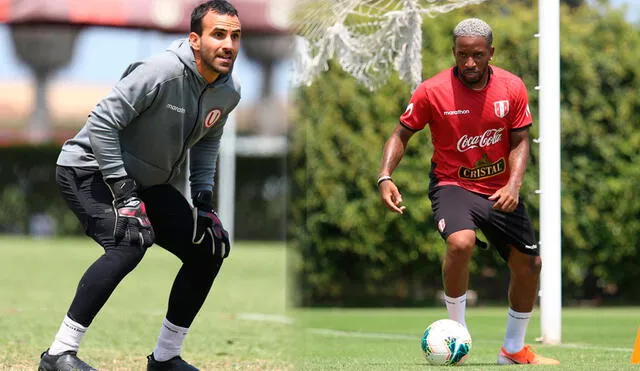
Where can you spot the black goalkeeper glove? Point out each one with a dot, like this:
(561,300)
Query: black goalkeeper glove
(206,221)
(132,223)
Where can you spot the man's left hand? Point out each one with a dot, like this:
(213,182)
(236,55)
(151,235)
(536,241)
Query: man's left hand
(206,222)
(506,199)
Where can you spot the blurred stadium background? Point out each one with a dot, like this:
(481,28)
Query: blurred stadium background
(60,58)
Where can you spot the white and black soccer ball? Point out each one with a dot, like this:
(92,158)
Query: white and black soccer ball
(446,343)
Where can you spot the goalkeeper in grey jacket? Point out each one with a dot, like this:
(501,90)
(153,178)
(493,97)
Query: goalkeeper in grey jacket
(124,176)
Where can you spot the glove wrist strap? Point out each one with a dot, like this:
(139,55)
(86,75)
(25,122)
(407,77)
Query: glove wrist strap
(203,200)
(122,188)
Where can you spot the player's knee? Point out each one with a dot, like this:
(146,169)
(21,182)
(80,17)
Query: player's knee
(126,258)
(214,266)
(460,245)
(529,267)
(207,266)
(535,265)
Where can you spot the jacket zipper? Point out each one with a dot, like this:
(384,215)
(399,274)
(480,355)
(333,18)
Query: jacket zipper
(186,141)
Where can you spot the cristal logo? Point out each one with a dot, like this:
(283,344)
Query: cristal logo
(489,137)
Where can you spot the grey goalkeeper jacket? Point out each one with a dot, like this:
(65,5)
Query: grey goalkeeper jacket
(160,113)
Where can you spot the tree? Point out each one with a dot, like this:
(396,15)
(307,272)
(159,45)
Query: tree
(354,252)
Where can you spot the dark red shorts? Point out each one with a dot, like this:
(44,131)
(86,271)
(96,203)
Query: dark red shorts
(455,209)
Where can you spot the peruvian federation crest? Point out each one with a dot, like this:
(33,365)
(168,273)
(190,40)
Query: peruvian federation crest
(501,108)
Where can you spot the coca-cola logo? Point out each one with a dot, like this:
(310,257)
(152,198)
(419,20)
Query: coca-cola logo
(488,138)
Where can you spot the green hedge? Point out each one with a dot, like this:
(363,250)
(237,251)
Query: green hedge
(28,189)
(27,181)
(352,251)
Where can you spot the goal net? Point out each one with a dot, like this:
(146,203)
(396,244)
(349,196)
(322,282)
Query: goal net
(369,39)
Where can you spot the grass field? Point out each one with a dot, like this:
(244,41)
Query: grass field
(38,279)
(245,324)
(388,339)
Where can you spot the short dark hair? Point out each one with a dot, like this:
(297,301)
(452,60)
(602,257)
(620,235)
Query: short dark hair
(222,7)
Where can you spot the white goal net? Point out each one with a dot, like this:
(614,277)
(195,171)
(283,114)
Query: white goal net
(369,39)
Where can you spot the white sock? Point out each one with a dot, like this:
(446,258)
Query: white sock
(170,341)
(516,330)
(68,337)
(456,307)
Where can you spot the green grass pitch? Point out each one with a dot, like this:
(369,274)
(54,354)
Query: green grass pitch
(246,325)
(38,279)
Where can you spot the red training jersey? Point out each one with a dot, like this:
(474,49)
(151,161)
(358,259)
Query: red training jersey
(469,128)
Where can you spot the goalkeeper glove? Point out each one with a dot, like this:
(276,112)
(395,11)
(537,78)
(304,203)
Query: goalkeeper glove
(132,223)
(206,221)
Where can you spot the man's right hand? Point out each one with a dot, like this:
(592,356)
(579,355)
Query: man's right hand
(132,223)
(390,196)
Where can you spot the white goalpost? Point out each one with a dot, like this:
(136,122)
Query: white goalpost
(550,206)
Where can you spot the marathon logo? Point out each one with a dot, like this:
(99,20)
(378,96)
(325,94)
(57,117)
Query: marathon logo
(457,112)
(482,172)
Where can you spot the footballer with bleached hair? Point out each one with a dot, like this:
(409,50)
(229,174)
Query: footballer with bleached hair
(479,120)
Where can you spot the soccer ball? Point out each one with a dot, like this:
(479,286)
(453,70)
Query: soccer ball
(446,343)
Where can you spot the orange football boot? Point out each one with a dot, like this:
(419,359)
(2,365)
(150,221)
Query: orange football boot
(525,356)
